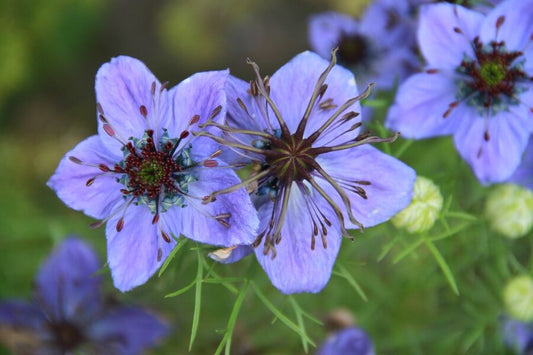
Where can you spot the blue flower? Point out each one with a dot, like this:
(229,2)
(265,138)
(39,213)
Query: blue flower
(69,315)
(347,341)
(379,48)
(518,335)
(477,85)
(314,173)
(145,174)
(524,174)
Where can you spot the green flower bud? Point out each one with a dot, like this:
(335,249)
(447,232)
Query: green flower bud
(518,298)
(424,209)
(509,210)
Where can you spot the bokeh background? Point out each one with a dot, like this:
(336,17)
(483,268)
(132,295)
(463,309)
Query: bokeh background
(49,53)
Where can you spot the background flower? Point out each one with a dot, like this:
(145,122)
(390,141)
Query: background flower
(68,313)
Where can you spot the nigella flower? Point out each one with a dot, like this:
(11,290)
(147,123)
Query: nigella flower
(315,174)
(478,5)
(524,174)
(347,341)
(477,85)
(68,314)
(379,48)
(517,335)
(145,174)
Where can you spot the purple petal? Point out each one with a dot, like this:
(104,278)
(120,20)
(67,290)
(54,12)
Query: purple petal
(440,44)
(127,330)
(70,179)
(199,95)
(66,285)
(517,27)
(123,85)
(18,314)
(393,66)
(296,267)
(326,30)
(348,341)
(524,174)
(24,328)
(196,221)
(390,189)
(420,104)
(292,87)
(132,253)
(494,160)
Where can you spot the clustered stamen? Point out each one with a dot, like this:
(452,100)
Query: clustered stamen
(288,160)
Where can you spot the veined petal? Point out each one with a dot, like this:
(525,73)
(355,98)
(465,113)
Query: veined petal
(198,95)
(296,267)
(517,26)
(123,85)
(66,285)
(420,104)
(132,253)
(197,221)
(299,77)
(440,44)
(494,160)
(70,179)
(127,330)
(390,189)
(326,30)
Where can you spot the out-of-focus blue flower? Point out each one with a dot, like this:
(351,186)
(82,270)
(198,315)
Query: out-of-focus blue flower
(145,174)
(478,5)
(477,85)
(379,48)
(518,335)
(347,341)
(69,315)
(315,173)
(524,174)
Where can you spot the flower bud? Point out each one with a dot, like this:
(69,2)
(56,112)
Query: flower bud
(424,209)
(518,298)
(509,210)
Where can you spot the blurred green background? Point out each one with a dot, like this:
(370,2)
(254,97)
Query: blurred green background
(49,53)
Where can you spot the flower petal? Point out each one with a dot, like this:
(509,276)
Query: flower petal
(420,104)
(123,85)
(196,221)
(199,95)
(296,267)
(524,174)
(70,179)
(132,253)
(66,286)
(494,160)
(326,30)
(127,330)
(441,45)
(390,189)
(232,254)
(298,78)
(517,27)
(24,328)
(350,340)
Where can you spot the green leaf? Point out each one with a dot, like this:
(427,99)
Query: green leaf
(226,340)
(279,315)
(224,281)
(197,299)
(181,243)
(345,274)
(443,265)
(299,318)
(181,290)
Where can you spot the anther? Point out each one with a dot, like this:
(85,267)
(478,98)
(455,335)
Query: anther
(432,71)
(143,110)
(99,108)
(500,21)
(194,120)
(155,219)
(210,163)
(97,224)
(75,160)
(159,254)
(457,30)
(216,153)
(109,130)
(120,224)
(165,237)
(90,181)
(184,134)
(104,168)
(215,112)
(164,86)
(486,136)
(153,88)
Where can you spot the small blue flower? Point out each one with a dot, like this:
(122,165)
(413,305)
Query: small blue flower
(524,174)
(477,85)
(145,174)
(69,315)
(379,48)
(314,173)
(347,341)
(518,335)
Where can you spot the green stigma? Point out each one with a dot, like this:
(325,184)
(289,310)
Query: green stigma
(492,73)
(151,173)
